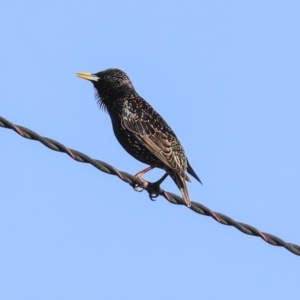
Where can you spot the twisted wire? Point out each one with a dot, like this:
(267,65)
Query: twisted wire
(148,186)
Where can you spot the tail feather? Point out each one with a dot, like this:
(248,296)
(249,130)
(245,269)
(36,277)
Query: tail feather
(192,172)
(181,184)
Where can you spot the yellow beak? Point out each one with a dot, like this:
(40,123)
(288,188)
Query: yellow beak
(87,76)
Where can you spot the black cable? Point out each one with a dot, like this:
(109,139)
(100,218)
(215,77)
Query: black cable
(151,188)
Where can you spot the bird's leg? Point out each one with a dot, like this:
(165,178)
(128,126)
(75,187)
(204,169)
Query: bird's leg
(143,172)
(139,176)
(160,181)
(154,188)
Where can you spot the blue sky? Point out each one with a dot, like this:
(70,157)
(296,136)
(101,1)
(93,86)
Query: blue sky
(225,75)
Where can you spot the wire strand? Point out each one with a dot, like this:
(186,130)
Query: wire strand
(151,188)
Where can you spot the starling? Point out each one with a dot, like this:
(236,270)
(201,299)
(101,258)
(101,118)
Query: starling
(141,131)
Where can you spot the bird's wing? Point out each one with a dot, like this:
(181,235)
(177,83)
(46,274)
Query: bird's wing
(155,141)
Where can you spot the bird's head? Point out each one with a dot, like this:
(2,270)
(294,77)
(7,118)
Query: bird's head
(110,85)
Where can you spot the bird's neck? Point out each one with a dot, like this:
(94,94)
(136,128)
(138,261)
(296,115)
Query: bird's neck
(114,101)
(110,93)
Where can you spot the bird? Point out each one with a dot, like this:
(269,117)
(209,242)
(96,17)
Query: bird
(140,130)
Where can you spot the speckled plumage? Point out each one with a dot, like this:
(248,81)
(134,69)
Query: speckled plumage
(141,131)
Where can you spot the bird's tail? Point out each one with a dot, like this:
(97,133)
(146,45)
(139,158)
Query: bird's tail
(181,184)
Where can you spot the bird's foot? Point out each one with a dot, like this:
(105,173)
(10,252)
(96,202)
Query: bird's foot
(139,175)
(140,187)
(137,188)
(154,189)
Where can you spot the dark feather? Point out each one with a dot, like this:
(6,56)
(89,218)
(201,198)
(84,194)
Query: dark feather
(141,131)
(192,172)
(155,141)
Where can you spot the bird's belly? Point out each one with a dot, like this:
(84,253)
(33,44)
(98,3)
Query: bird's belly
(134,147)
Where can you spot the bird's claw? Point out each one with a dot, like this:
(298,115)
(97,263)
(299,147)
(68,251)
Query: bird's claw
(152,196)
(138,188)
(153,188)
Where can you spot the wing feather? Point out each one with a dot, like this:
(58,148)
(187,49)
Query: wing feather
(155,141)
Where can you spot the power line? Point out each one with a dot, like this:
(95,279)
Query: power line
(151,188)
